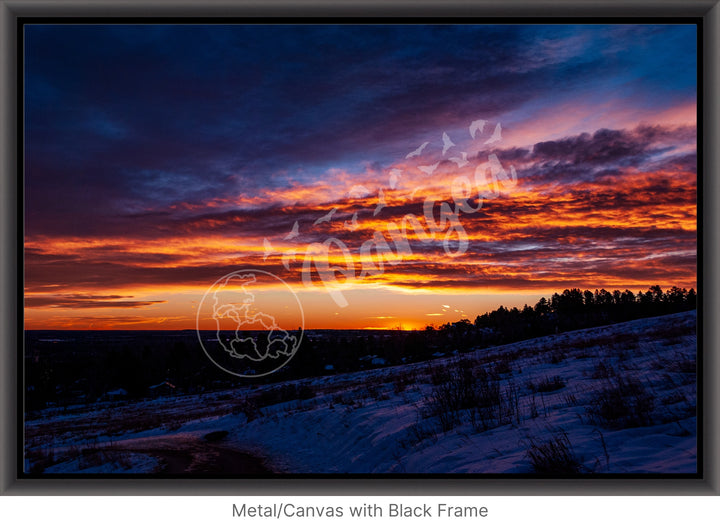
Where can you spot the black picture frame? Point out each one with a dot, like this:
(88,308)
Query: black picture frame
(13,13)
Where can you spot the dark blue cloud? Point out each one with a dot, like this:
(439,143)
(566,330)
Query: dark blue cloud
(130,118)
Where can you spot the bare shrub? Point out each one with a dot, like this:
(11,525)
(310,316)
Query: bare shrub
(496,404)
(449,398)
(569,399)
(475,394)
(487,411)
(622,402)
(553,457)
(532,407)
(418,433)
(512,401)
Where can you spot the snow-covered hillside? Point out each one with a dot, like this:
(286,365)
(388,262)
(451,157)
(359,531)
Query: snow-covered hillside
(614,399)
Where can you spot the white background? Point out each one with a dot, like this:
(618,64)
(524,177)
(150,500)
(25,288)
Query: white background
(197,514)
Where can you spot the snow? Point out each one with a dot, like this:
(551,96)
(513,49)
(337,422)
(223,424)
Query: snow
(382,420)
(128,462)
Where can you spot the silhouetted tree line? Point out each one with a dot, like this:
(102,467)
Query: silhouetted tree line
(571,310)
(93,366)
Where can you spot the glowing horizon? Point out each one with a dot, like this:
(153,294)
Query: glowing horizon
(175,189)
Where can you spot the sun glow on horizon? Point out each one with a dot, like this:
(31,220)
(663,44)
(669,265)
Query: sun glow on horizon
(383,196)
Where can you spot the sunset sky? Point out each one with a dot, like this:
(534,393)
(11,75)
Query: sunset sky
(159,159)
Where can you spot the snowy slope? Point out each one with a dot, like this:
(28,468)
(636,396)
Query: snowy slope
(614,399)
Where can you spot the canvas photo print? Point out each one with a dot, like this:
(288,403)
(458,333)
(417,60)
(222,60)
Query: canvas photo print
(377,249)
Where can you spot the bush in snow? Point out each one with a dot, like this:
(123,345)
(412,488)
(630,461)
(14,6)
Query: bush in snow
(553,457)
(622,402)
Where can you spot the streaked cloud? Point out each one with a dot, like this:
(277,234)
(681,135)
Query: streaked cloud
(223,148)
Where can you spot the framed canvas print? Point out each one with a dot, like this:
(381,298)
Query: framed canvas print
(360,248)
